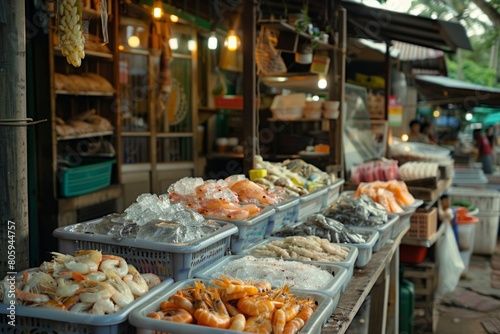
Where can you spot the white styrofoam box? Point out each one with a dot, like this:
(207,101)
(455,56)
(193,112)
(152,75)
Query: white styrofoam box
(486,200)
(485,234)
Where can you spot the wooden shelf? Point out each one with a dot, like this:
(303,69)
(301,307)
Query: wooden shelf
(300,119)
(425,242)
(175,135)
(65,92)
(284,26)
(88,53)
(86,135)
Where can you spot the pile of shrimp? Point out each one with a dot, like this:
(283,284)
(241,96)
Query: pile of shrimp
(84,282)
(310,248)
(222,198)
(238,305)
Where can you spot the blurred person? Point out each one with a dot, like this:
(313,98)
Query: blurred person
(490,135)
(415,135)
(483,150)
(426,130)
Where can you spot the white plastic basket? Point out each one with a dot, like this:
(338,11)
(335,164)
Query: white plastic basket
(285,215)
(179,261)
(311,203)
(331,288)
(38,320)
(385,231)
(486,233)
(332,194)
(251,230)
(486,200)
(348,263)
(144,325)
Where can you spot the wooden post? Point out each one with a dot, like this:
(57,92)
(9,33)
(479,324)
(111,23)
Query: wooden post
(14,230)
(250,133)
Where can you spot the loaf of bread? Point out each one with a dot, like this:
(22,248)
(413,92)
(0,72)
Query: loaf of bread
(64,130)
(81,127)
(84,116)
(100,123)
(99,83)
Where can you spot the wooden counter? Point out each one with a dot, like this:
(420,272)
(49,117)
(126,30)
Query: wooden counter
(380,277)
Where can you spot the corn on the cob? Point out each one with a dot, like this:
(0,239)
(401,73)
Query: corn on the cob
(70,31)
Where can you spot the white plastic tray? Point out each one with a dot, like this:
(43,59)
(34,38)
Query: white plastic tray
(44,320)
(311,203)
(139,319)
(251,230)
(348,263)
(330,288)
(285,215)
(179,261)
(365,250)
(385,231)
(332,194)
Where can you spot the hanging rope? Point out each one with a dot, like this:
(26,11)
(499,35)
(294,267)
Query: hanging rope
(20,122)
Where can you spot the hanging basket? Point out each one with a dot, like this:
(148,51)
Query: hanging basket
(268,59)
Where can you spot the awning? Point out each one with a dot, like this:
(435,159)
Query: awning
(384,25)
(448,90)
(410,52)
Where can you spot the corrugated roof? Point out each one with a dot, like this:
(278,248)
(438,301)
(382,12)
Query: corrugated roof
(410,52)
(384,25)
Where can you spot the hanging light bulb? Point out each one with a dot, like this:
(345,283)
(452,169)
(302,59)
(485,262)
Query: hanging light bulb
(468,116)
(191,45)
(322,83)
(173,43)
(212,42)
(157,10)
(174,18)
(133,41)
(232,42)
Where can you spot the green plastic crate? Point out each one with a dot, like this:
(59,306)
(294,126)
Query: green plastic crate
(86,178)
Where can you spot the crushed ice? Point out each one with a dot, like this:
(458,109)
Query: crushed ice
(277,272)
(152,218)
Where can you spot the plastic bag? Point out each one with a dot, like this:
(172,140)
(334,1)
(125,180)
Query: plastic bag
(450,263)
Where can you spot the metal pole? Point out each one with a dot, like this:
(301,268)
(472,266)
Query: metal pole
(14,230)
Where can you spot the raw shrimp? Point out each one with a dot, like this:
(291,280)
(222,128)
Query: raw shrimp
(263,286)
(235,288)
(122,295)
(177,315)
(135,281)
(95,291)
(233,311)
(332,249)
(71,275)
(255,305)
(81,307)
(248,191)
(51,267)
(66,288)
(293,326)
(30,297)
(114,264)
(259,324)
(152,280)
(179,301)
(304,242)
(238,322)
(104,306)
(92,255)
(98,276)
(215,302)
(155,315)
(279,321)
(53,304)
(212,318)
(82,267)
(35,280)
(69,302)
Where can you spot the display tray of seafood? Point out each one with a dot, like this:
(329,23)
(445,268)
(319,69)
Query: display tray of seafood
(178,260)
(310,249)
(297,275)
(232,306)
(365,214)
(336,232)
(76,293)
